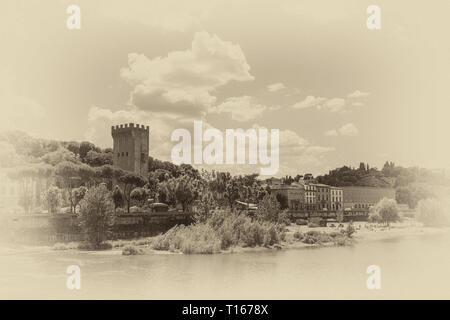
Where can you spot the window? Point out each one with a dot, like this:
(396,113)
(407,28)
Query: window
(126,153)
(118,154)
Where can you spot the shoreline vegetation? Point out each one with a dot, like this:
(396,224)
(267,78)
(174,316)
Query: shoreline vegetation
(202,239)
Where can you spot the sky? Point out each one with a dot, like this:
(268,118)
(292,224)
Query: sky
(338,92)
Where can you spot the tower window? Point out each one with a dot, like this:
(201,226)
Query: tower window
(118,154)
(127,154)
(122,154)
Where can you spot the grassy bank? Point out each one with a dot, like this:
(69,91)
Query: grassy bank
(233,233)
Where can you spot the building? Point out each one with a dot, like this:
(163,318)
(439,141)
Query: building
(293,194)
(310,196)
(336,199)
(131,147)
(365,197)
(323,196)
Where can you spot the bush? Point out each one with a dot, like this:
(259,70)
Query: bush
(301,222)
(284,218)
(196,238)
(432,213)
(65,246)
(222,230)
(132,251)
(298,235)
(314,222)
(86,245)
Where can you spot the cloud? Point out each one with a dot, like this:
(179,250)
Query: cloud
(357,94)
(242,109)
(183,81)
(337,105)
(348,129)
(275,87)
(333,105)
(308,102)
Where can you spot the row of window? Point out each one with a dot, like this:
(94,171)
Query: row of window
(363,205)
(124,154)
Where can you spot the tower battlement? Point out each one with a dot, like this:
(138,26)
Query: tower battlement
(128,127)
(131,147)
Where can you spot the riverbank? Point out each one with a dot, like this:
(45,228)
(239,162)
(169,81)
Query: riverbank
(293,237)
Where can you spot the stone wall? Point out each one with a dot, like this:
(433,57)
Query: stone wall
(64,227)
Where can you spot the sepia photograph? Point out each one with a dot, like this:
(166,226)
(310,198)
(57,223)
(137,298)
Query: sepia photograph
(224,150)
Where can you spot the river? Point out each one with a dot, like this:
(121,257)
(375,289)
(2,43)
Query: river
(411,267)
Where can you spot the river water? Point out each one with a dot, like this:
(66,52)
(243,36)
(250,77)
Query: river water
(411,267)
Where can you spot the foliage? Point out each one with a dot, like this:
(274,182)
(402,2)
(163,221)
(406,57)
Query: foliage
(78,195)
(132,251)
(411,195)
(118,197)
(385,211)
(98,159)
(129,181)
(139,195)
(432,213)
(52,199)
(283,200)
(96,216)
(268,208)
(222,230)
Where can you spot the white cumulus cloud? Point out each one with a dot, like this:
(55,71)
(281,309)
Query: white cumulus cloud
(275,87)
(183,82)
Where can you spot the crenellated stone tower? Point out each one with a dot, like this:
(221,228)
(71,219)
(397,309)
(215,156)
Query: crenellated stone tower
(131,147)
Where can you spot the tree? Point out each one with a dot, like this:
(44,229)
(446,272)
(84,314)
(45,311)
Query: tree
(98,159)
(140,195)
(385,211)
(68,171)
(268,208)
(52,199)
(185,191)
(58,156)
(411,194)
(96,216)
(26,175)
(283,200)
(432,213)
(118,197)
(85,147)
(129,181)
(78,195)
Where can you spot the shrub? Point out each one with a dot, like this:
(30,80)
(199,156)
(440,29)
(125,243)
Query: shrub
(350,230)
(301,222)
(314,222)
(132,251)
(298,235)
(284,218)
(86,245)
(65,246)
(222,230)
